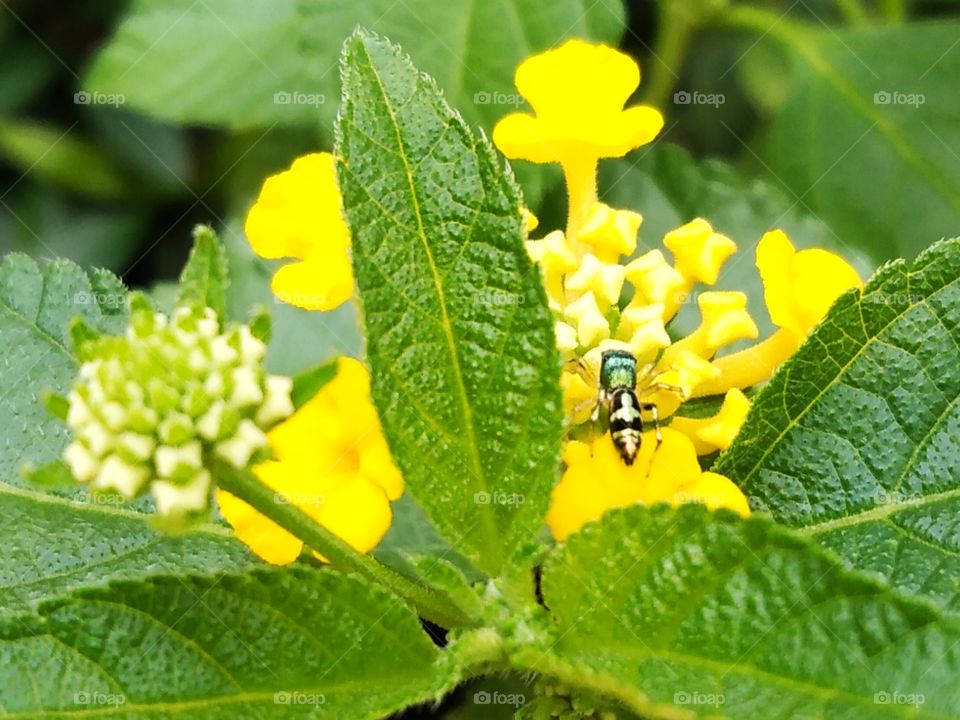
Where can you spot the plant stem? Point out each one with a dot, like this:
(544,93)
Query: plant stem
(893,11)
(763,22)
(678,22)
(853,12)
(428,603)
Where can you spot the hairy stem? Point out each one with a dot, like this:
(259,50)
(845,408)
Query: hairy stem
(428,602)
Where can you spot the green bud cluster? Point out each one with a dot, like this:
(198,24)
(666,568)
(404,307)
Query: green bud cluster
(151,408)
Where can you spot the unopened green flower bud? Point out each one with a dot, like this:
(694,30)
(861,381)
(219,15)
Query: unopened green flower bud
(151,409)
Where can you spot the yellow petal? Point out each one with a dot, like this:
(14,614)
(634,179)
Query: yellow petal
(567,341)
(597,480)
(609,232)
(298,214)
(264,537)
(800,287)
(698,251)
(715,491)
(605,280)
(673,465)
(577,92)
(553,253)
(641,326)
(357,512)
(298,210)
(717,432)
(686,371)
(725,318)
(315,284)
(592,326)
(655,281)
(333,463)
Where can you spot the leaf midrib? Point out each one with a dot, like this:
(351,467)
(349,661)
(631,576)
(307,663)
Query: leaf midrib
(6,489)
(878,512)
(214,702)
(489,526)
(820,692)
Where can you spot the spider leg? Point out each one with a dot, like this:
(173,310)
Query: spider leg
(655,387)
(652,409)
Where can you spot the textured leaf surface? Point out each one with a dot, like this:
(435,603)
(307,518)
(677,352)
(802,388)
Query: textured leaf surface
(53,545)
(206,276)
(270,61)
(873,110)
(63,539)
(684,613)
(856,441)
(36,306)
(460,341)
(277,643)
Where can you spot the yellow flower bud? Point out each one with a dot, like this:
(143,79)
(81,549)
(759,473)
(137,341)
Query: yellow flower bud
(698,251)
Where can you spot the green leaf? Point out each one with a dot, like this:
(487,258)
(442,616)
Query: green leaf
(856,440)
(867,134)
(53,545)
(269,644)
(168,57)
(309,383)
(59,539)
(460,340)
(206,276)
(62,157)
(687,613)
(37,305)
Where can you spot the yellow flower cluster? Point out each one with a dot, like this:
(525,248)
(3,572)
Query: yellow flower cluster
(578,92)
(331,461)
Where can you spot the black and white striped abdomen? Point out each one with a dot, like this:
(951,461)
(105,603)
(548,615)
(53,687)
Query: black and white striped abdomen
(626,425)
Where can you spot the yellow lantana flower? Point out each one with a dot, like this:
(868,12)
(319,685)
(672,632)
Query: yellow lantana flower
(577,92)
(596,480)
(299,215)
(332,462)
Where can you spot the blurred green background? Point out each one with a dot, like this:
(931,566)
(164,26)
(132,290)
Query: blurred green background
(123,124)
